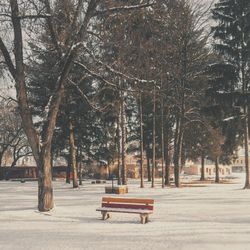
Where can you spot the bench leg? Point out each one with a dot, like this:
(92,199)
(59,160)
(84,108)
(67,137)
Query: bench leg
(105,215)
(146,220)
(143,218)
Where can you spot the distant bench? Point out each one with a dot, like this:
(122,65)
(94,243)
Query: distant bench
(143,207)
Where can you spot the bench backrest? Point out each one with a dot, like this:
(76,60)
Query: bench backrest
(128,203)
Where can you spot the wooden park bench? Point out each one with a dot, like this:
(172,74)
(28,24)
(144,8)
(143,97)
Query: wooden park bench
(143,207)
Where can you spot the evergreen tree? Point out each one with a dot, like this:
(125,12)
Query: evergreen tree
(231,85)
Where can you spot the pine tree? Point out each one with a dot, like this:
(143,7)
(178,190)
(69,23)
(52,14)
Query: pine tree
(231,36)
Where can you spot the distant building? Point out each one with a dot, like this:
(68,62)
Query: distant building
(209,170)
(238,164)
(29,172)
(133,167)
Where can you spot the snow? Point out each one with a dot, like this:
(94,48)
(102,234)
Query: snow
(229,118)
(77,45)
(214,216)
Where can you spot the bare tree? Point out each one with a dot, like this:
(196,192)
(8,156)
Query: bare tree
(40,141)
(10,126)
(20,149)
(13,140)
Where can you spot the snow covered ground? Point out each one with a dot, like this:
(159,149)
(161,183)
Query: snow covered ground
(210,217)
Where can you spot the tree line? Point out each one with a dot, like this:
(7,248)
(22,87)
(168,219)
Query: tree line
(96,80)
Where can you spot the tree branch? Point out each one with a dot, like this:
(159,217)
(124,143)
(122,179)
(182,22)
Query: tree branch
(51,27)
(85,98)
(116,72)
(34,16)
(7,58)
(122,9)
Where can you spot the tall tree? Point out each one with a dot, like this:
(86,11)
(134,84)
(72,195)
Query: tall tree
(231,35)
(67,55)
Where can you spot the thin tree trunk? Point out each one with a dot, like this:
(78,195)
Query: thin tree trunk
(73,155)
(13,163)
(202,167)
(14,157)
(178,150)
(68,171)
(217,170)
(180,130)
(178,183)
(119,150)
(153,144)
(141,142)
(1,159)
(245,121)
(177,154)
(246,143)
(108,173)
(167,161)
(124,168)
(182,157)
(176,170)
(80,168)
(80,173)
(162,144)
(148,167)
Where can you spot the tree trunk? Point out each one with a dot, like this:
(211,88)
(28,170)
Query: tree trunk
(41,153)
(119,150)
(124,168)
(246,143)
(153,144)
(73,155)
(108,169)
(167,161)
(141,142)
(80,168)
(45,188)
(177,154)
(13,163)
(80,173)
(148,167)
(176,170)
(245,120)
(162,144)
(202,167)
(183,157)
(217,170)
(178,147)
(68,171)
(181,115)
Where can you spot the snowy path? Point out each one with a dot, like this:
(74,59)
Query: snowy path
(211,217)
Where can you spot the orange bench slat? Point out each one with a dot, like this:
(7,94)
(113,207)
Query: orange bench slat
(128,206)
(127,200)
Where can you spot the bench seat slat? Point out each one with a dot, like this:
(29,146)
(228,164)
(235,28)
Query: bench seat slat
(127,206)
(124,210)
(128,200)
